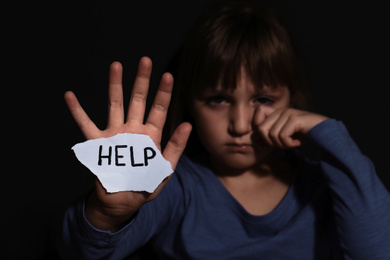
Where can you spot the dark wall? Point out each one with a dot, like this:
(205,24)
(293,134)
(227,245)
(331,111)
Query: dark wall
(71,46)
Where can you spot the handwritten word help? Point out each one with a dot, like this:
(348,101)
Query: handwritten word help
(124,162)
(118,156)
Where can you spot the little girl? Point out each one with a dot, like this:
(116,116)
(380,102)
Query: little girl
(242,190)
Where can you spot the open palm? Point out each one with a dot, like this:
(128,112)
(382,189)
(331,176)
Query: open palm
(110,210)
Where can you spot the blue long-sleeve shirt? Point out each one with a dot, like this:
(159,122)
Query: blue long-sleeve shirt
(338,205)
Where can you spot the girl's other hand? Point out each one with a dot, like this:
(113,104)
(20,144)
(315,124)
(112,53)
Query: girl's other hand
(110,210)
(285,128)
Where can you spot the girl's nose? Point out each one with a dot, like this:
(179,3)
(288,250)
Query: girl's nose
(240,120)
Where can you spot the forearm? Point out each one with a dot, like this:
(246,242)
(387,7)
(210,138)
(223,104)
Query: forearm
(361,203)
(361,207)
(80,240)
(83,238)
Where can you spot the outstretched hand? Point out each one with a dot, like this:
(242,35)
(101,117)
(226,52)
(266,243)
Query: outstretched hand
(109,210)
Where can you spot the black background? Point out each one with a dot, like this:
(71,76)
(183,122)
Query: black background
(69,45)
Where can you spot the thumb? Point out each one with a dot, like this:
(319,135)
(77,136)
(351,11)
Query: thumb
(177,144)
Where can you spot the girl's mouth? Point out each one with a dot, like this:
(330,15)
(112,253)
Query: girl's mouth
(239,147)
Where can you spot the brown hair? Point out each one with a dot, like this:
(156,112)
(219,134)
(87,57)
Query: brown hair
(227,37)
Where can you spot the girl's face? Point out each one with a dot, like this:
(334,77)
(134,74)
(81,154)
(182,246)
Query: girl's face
(224,122)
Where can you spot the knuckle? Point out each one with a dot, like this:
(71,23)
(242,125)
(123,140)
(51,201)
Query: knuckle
(115,103)
(159,107)
(138,97)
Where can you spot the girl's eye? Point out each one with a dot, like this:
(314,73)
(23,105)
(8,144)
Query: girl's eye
(218,100)
(264,100)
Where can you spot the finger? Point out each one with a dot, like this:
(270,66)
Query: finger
(261,113)
(115,96)
(159,109)
(265,125)
(286,134)
(177,144)
(87,127)
(139,93)
(276,128)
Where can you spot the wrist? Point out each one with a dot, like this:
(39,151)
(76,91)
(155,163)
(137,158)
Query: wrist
(100,219)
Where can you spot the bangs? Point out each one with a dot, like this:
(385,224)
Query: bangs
(258,43)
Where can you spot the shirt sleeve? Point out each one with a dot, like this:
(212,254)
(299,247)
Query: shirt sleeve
(80,240)
(361,203)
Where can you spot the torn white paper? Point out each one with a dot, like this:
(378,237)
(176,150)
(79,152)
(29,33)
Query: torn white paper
(124,162)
